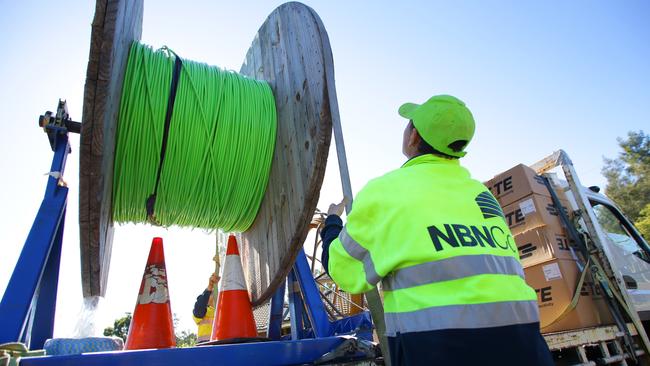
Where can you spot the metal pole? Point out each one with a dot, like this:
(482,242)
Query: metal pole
(274,329)
(217,269)
(43,326)
(315,310)
(374,301)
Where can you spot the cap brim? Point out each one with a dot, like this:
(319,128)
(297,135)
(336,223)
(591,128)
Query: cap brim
(407,109)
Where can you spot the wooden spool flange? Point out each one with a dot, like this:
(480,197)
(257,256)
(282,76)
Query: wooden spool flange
(115,26)
(291,51)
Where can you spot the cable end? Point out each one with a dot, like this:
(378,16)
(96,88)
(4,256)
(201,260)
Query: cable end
(149,205)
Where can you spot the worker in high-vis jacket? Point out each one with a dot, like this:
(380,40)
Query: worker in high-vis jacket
(437,242)
(203,312)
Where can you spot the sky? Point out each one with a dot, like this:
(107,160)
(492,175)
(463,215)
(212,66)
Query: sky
(538,76)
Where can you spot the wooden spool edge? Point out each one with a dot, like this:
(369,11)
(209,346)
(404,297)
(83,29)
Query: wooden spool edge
(324,134)
(116,24)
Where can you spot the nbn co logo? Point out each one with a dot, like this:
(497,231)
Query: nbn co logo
(489,206)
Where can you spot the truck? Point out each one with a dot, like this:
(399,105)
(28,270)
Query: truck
(618,257)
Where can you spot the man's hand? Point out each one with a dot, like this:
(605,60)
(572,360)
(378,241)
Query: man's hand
(213,279)
(337,209)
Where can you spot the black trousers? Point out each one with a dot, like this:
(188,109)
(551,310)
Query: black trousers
(513,345)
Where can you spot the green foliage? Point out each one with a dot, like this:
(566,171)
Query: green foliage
(120,327)
(643,223)
(185,339)
(607,220)
(628,176)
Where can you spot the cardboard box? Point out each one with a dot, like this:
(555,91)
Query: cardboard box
(555,282)
(531,212)
(543,244)
(515,184)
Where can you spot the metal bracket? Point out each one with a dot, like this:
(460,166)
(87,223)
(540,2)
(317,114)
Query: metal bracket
(351,348)
(59,123)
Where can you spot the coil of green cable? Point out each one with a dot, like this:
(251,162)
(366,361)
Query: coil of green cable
(220,144)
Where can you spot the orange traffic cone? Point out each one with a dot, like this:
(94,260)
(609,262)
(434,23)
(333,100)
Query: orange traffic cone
(152,325)
(234,317)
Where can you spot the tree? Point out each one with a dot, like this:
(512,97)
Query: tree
(628,176)
(643,223)
(185,338)
(120,327)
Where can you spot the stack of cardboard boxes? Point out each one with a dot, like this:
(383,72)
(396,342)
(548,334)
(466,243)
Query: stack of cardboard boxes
(546,254)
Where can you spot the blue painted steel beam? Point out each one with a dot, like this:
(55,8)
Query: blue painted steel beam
(295,308)
(266,353)
(314,305)
(274,329)
(19,296)
(43,324)
(359,325)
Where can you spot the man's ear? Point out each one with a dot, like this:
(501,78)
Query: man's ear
(414,138)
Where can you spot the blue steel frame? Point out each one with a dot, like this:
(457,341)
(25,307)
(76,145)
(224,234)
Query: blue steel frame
(29,302)
(313,335)
(274,329)
(304,351)
(309,318)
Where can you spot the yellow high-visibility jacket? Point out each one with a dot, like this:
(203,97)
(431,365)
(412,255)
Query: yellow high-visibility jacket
(438,242)
(205,325)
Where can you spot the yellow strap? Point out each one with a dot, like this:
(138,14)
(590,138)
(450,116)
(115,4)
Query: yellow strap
(14,348)
(611,290)
(10,353)
(574,299)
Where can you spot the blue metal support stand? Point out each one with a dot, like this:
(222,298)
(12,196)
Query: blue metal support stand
(314,338)
(28,306)
(314,307)
(296,307)
(43,324)
(274,329)
(304,351)
(310,343)
(359,324)
(29,303)
(31,291)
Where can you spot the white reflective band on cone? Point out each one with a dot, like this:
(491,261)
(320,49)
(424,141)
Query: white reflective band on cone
(233,274)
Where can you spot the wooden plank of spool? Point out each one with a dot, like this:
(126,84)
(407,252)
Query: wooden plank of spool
(288,53)
(117,23)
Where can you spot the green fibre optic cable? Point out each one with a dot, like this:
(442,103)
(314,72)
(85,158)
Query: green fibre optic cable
(219,151)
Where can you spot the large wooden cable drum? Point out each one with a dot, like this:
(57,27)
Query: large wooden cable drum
(291,52)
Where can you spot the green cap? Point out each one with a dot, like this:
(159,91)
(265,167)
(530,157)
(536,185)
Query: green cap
(441,121)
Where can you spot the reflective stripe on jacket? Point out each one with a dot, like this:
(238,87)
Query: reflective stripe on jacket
(205,325)
(438,242)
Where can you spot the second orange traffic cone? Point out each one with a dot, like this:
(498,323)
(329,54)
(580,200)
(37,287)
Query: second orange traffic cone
(152,325)
(234,316)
